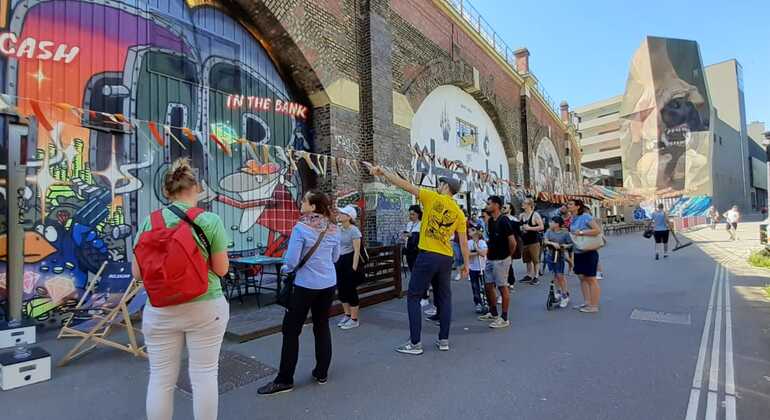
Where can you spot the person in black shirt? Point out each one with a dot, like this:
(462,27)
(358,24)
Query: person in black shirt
(501,245)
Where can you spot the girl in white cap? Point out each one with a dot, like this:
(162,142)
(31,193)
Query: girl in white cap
(349,271)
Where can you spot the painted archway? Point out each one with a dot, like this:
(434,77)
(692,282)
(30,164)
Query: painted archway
(549,175)
(451,124)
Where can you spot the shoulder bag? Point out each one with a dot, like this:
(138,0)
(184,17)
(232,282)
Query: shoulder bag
(588,243)
(287,289)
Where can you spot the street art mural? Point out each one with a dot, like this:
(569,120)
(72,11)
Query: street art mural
(184,65)
(665,121)
(548,172)
(451,124)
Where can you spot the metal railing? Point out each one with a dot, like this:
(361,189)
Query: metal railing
(465,9)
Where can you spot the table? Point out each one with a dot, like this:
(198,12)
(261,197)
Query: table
(247,264)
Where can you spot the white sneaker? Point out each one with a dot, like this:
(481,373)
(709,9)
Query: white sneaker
(350,324)
(499,300)
(600,276)
(564,302)
(511,287)
(487,317)
(343,321)
(500,323)
(424,302)
(431,311)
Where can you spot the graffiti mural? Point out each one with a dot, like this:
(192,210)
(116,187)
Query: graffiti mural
(548,172)
(184,65)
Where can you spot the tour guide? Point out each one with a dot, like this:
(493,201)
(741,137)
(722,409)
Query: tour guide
(442,218)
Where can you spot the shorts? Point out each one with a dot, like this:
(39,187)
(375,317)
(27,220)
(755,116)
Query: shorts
(531,254)
(557,267)
(734,225)
(496,272)
(457,255)
(661,236)
(586,263)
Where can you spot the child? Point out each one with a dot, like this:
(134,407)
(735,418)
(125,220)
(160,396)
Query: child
(558,242)
(478,253)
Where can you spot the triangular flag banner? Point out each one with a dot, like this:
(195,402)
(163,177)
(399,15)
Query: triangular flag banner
(306,156)
(40,116)
(323,161)
(169,133)
(290,157)
(189,134)
(265,154)
(280,155)
(65,107)
(223,147)
(155,133)
(335,168)
(120,117)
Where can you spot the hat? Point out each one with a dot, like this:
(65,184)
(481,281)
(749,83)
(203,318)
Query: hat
(349,211)
(453,183)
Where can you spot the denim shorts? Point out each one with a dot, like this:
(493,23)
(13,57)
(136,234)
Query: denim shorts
(496,272)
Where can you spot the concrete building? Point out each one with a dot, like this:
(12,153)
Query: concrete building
(758,159)
(599,140)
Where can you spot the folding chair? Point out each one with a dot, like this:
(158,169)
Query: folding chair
(106,313)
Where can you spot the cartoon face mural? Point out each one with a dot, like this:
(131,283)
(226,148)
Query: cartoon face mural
(548,173)
(451,124)
(92,181)
(666,120)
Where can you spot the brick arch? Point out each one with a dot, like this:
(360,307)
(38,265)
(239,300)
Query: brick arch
(444,71)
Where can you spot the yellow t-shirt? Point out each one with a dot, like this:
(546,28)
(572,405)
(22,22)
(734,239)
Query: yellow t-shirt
(441,218)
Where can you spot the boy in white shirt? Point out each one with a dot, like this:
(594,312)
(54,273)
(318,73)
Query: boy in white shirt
(478,253)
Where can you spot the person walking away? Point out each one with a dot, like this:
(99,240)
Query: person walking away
(441,220)
(532,226)
(502,243)
(349,273)
(314,285)
(661,227)
(199,323)
(713,216)
(557,246)
(733,217)
(477,248)
(586,261)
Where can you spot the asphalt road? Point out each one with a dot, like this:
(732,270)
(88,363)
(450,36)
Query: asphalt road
(559,364)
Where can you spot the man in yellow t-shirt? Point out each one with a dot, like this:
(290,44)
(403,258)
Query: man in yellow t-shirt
(441,219)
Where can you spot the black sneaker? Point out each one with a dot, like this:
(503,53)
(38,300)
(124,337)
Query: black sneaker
(274,388)
(320,381)
(435,319)
(534,282)
(526,279)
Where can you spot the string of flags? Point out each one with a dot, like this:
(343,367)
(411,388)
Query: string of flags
(320,164)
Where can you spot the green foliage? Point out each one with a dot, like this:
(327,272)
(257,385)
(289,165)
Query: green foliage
(760,259)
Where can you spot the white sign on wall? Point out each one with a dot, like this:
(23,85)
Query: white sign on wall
(452,124)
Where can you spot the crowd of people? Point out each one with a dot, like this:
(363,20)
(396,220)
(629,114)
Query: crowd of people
(325,256)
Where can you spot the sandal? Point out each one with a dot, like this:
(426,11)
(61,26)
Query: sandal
(589,309)
(581,306)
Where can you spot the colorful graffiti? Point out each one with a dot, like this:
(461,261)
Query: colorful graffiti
(90,181)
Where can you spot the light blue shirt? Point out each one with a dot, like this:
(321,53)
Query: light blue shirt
(581,222)
(659,221)
(318,272)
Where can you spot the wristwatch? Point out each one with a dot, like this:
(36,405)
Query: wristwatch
(580,233)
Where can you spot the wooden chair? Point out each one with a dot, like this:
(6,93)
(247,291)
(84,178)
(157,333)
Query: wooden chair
(107,313)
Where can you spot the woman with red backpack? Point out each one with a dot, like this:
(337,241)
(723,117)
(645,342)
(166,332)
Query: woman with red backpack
(314,247)
(181,252)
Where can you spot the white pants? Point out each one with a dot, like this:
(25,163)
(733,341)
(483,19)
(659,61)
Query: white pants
(202,326)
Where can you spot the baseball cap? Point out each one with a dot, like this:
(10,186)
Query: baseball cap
(349,210)
(454,184)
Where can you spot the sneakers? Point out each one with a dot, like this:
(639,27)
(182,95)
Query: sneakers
(434,319)
(499,300)
(479,309)
(511,287)
(487,317)
(343,321)
(274,388)
(600,275)
(500,323)
(665,255)
(526,279)
(319,380)
(564,301)
(424,302)
(657,257)
(431,311)
(534,282)
(442,345)
(581,306)
(409,348)
(350,324)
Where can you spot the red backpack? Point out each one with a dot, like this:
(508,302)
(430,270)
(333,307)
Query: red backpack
(173,268)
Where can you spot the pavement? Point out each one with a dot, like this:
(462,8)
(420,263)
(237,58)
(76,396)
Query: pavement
(644,356)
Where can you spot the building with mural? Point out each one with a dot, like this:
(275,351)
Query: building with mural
(102,95)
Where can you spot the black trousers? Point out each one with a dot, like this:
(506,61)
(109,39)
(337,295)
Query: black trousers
(347,279)
(318,303)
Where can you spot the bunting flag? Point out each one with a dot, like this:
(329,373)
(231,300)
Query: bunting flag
(306,157)
(168,132)
(189,134)
(265,154)
(251,148)
(122,118)
(65,107)
(40,116)
(335,167)
(323,161)
(155,133)
(223,147)
(280,156)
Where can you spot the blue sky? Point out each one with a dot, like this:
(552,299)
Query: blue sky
(580,50)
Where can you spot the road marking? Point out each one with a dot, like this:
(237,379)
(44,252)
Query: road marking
(730,411)
(711,406)
(697,380)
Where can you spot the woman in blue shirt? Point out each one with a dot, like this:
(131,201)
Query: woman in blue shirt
(314,286)
(586,262)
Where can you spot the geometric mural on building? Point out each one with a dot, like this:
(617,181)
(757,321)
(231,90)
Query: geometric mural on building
(187,65)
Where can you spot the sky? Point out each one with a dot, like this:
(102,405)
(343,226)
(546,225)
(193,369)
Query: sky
(580,50)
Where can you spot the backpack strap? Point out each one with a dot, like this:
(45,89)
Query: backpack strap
(156,220)
(188,218)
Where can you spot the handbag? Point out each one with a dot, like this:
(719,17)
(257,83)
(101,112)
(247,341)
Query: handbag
(286,292)
(647,233)
(588,243)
